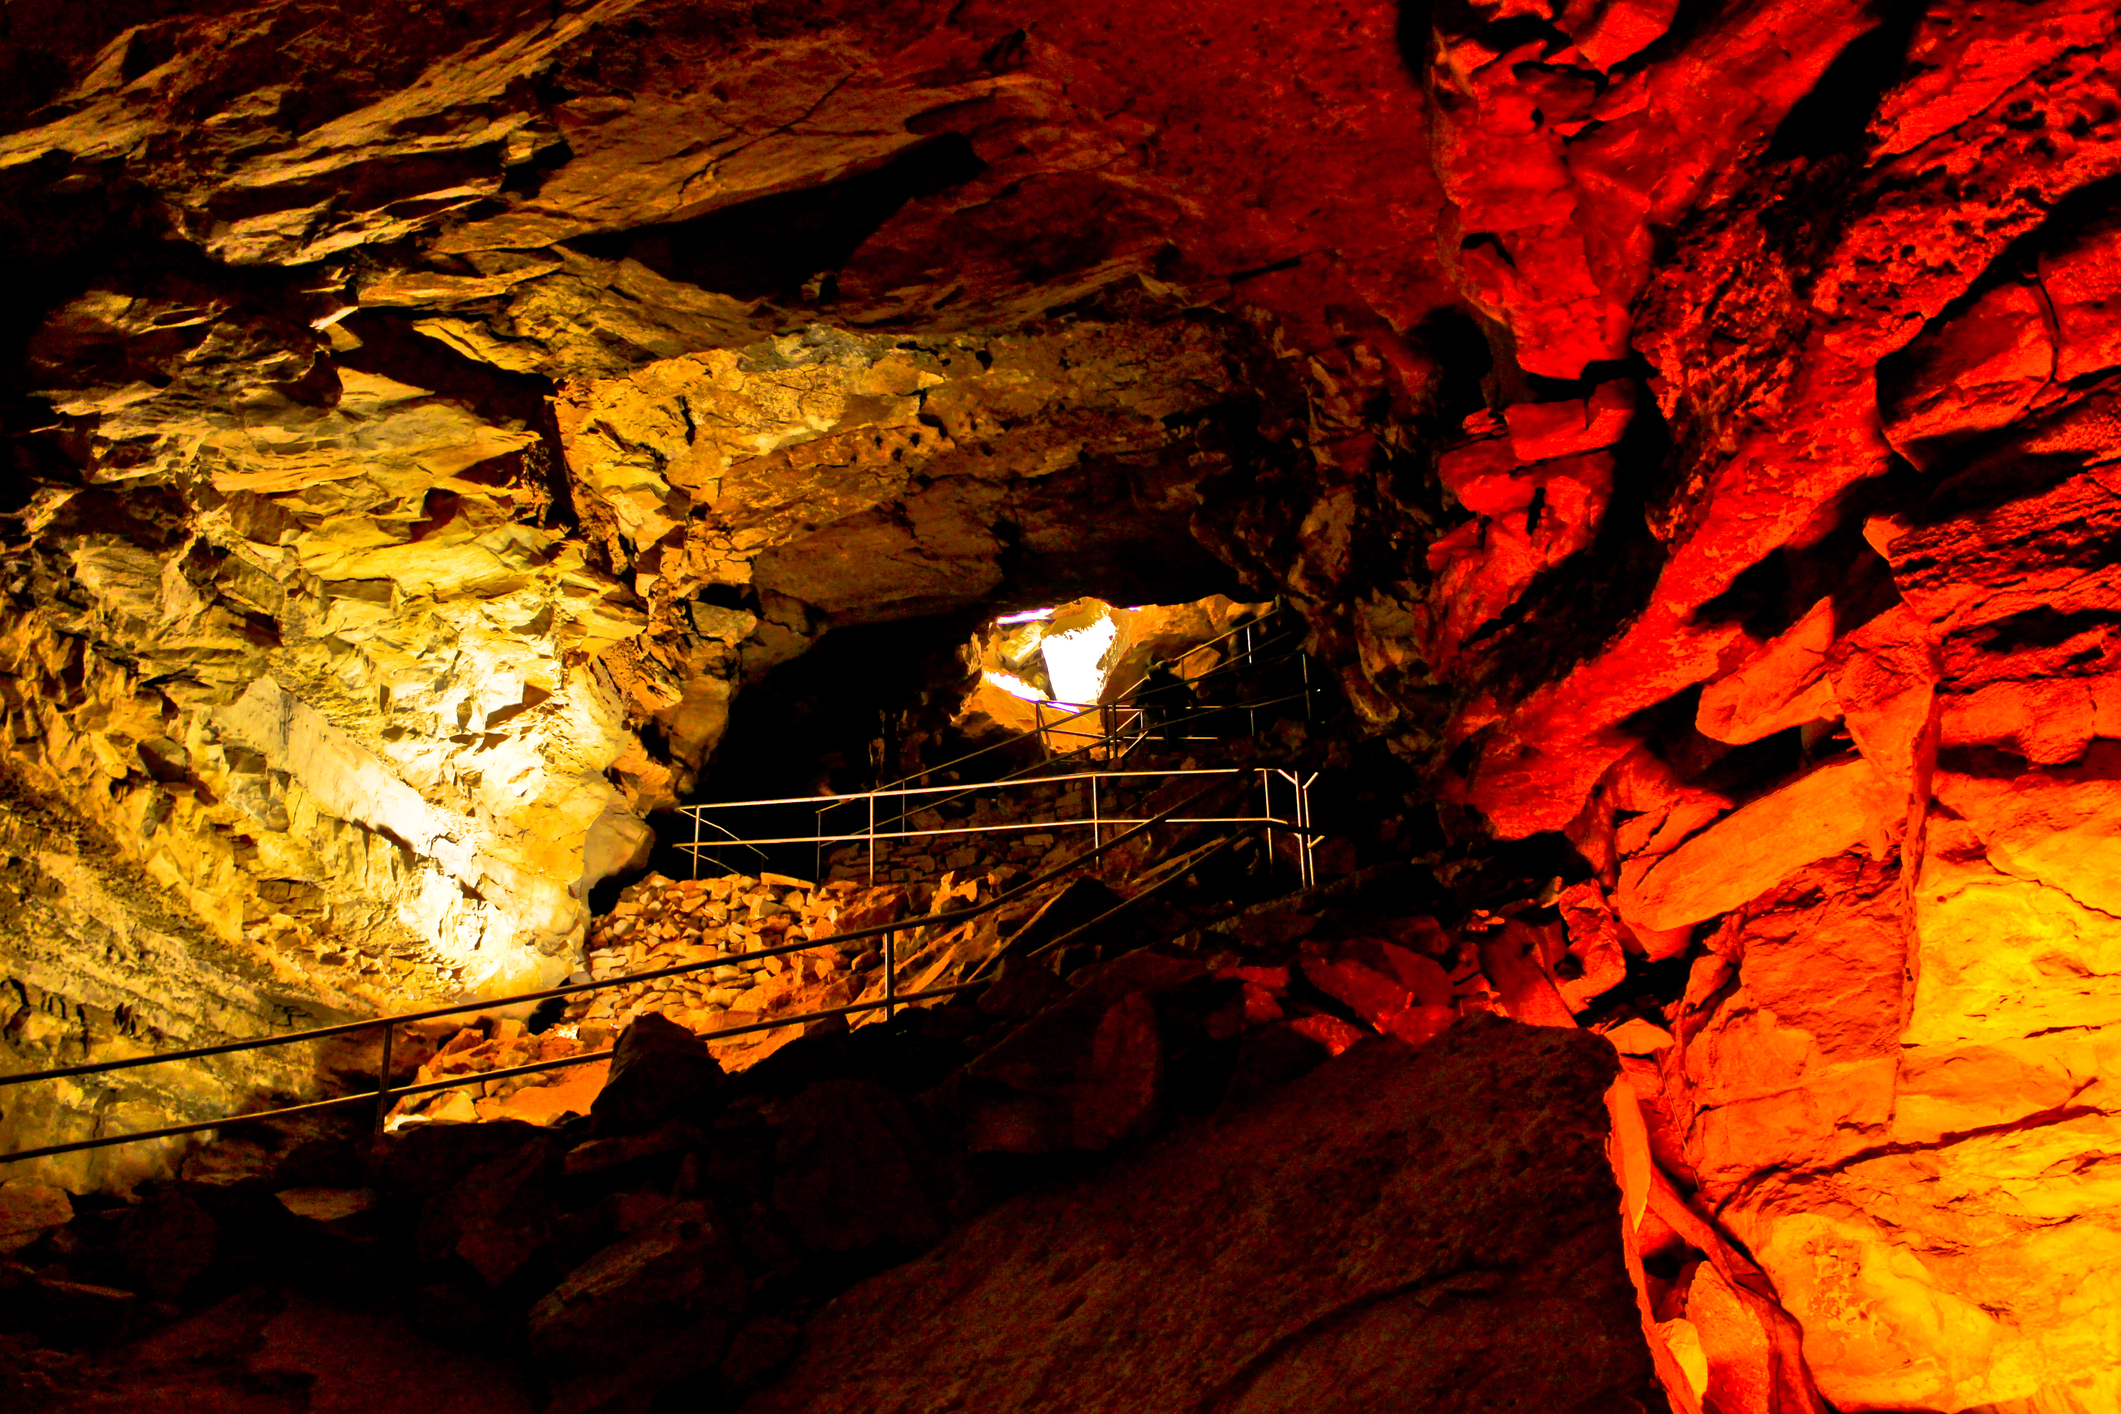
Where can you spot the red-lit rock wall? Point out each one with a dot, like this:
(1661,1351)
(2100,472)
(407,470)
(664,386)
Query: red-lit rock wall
(1840,737)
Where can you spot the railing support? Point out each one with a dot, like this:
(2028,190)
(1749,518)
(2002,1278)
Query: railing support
(890,975)
(385,1091)
(1266,808)
(390,1029)
(1305,840)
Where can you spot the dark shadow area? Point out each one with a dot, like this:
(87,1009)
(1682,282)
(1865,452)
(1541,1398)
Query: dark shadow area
(2001,468)
(1605,370)
(392,348)
(1771,595)
(61,222)
(1830,120)
(813,721)
(48,46)
(1573,610)
(1462,352)
(1121,532)
(1414,34)
(769,248)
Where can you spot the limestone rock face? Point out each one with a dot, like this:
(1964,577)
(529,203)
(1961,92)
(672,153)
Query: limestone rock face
(1317,1250)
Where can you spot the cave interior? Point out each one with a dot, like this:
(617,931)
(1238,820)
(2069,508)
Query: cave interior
(1428,697)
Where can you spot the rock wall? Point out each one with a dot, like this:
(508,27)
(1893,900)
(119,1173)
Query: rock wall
(102,965)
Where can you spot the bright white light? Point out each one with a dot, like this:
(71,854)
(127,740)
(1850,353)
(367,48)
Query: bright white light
(1015,686)
(1028,616)
(1073,660)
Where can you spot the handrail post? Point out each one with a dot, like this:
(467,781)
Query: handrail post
(386,1090)
(1251,712)
(390,1029)
(1303,796)
(872,838)
(1266,812)
(1097,829)
(695,813)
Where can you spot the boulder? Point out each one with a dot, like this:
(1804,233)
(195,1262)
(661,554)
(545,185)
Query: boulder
(498,1216)
(1783,684)
(28,1211)
(1967,375)
(851,1171)
(423,1161)
(1518,960)
(166,1241)
(1433,1228)
(1088,1072)
(1821,814)
(1394,989)
(647,1310)
(657,1069)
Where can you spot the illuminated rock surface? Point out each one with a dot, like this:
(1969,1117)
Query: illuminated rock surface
(1689,434)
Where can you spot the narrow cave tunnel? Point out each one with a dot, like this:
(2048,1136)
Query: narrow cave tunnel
(727,707)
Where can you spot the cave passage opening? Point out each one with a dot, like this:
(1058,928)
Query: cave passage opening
(960,698)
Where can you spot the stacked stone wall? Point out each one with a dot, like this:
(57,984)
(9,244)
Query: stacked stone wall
(1032,827)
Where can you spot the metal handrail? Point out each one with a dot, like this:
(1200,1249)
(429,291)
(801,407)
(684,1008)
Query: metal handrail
(384,1091)
(699,821)
(427,1087)
(1096,820)
(1295,635)
(965,789)
(1032,770)
(1026,774)
(1198,857)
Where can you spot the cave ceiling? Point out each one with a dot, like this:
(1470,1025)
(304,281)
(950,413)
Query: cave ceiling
(1688,430)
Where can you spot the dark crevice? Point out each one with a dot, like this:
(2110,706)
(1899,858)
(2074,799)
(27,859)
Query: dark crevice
(1570,612)
(1461,351)
(393,348)
(1830,120)
(771,247)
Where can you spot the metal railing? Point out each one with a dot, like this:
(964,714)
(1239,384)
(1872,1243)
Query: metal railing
(385,1093)
(1123,724)
(1250,655)
(894,822)
(1120,727)
(1129,719)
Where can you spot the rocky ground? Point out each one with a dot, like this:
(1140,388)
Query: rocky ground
(671,1220)
(673,1239)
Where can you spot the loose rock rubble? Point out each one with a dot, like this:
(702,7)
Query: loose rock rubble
(726,923)
(668,1230)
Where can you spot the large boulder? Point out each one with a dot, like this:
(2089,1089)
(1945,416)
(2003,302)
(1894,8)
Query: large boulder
(1433,1229)
(657,1069)
(652,1308)
(853,1172)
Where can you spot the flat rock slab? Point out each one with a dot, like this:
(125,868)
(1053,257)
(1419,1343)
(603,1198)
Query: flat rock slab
(1431,1229)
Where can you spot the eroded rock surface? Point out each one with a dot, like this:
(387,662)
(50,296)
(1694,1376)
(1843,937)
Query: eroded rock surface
(1399,1229)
